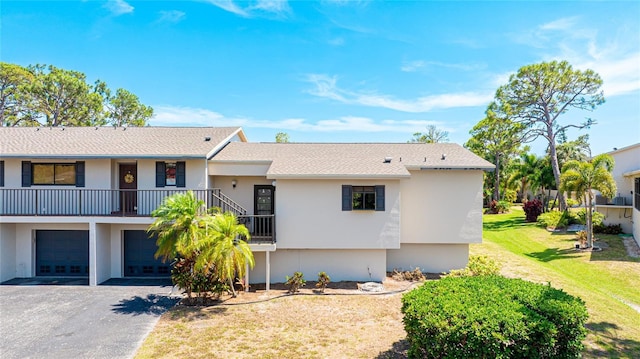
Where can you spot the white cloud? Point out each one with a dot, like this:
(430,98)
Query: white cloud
(172,16)
(326,86)
(411,66)
(278,8)
(118,7)
(186,116)
(617,61)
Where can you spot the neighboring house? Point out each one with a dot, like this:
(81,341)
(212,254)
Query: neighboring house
(76,201)
(624,209)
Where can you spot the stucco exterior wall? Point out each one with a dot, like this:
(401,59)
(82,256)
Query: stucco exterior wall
(309,216)
(103,251)
(621,216)
(355,265)
(7,251)
(440,206)
(430,258)
(98,173)
(244,192)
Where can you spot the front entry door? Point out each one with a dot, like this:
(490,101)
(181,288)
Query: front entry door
(263,207)
(128,183)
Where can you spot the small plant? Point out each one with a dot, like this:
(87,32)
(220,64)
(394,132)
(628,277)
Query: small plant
(496,207)
(415,275)
(295,282)
(572,202)
(323,281)
(478,265)
(510,195)
(582,238)
(532,210)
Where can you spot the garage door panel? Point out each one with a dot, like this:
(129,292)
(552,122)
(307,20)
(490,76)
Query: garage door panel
(139,260)
(62,253)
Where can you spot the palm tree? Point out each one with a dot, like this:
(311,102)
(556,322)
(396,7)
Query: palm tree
(526,173)
(178,227)
(224,249)
(584,177)
(178,223)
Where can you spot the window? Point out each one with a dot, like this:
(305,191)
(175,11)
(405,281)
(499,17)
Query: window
(54,174)
(170,174)
(362,198)
(637,193)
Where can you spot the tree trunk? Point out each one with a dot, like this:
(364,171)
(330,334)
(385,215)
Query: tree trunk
(589,220)
(556,172)
(233,290)
(496,181)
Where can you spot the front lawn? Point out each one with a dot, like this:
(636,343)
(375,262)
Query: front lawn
(608,281)
(364,326)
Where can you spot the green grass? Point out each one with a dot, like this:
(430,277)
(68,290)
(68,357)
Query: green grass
(608,281)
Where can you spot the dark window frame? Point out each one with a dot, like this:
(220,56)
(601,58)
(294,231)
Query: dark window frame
(363,198)
(76,174)
(180,174)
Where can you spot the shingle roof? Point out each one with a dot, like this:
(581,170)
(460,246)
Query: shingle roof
(95,142)
(353,160)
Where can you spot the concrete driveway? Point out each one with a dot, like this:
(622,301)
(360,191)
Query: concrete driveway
(40,320)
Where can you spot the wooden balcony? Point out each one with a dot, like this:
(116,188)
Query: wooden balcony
(121,203)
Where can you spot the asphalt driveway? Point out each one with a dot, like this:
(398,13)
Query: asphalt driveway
(67,320)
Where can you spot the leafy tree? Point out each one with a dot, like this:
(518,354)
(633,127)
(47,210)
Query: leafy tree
(225,248)
(577,150)
(495,138)
(125,109)
(282,137)
(526,172)
(433,135)
(63,97)
(47,95)
(538,94)
(584,177)
(14,101)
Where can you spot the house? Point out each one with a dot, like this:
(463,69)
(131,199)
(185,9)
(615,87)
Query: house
(624,209)
(76,201)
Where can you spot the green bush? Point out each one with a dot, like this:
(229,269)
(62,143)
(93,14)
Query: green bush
(555,219)
(572,202)
(607,229)
(478,265)
(510,195)
(492,317)
(596,217)
(496,207)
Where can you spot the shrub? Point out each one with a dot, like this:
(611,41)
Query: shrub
(607,228)
(323,280)
(295,282)
(415,275)
(496,207)
(596,217)
(204,283)
(572,202)
(532,210)
(582,238)
(555,219)
(492,317)
(478,265)
(510,195)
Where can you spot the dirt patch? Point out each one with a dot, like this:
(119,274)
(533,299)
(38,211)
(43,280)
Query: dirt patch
(342,323)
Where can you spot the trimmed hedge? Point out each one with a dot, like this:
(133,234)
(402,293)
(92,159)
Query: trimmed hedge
(492,317)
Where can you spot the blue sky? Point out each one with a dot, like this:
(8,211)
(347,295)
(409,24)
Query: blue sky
(333,71)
